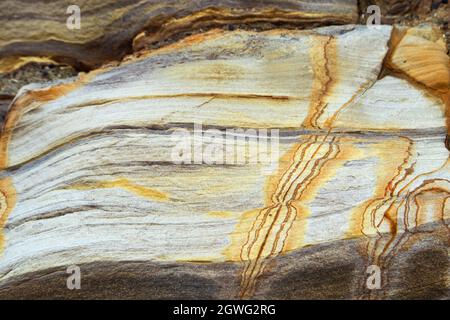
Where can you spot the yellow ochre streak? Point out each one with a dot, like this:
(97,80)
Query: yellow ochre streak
(125,184)
(7,203)
(267,235)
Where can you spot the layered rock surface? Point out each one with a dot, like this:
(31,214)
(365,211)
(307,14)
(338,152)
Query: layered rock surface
(361,176)
(108,27)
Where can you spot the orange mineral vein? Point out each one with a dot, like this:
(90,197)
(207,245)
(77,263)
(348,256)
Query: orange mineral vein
(271,227)
(396,205)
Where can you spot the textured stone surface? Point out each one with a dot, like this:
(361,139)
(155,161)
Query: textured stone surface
(37,46)
(363,175)
(327,271)
(411,13)
(4,104)
(32,72)
(395,11)
(109,26)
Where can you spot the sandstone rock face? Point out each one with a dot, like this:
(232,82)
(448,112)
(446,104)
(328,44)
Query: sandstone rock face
(34,36)
(109,26)
(235,164)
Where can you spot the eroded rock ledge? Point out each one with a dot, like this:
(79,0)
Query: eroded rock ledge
(109,26)
(37,46)
(363,167)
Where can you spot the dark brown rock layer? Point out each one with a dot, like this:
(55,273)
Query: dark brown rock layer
(329,271)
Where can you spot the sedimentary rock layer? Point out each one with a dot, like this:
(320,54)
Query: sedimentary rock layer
(326,271)
(109,26)
(4,104)
(359,155)
(411,13)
